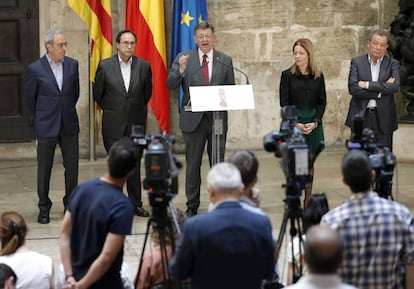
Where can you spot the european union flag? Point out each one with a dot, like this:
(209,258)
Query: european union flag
(187,13)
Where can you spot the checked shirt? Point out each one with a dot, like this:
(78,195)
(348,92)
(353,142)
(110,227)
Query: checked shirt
(378,236)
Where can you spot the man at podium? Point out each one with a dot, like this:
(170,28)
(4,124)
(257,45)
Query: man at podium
(201,66)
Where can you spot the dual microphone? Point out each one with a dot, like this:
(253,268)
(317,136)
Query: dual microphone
(187,107)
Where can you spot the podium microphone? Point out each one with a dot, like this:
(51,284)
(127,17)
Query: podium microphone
(233,67)
(187,106)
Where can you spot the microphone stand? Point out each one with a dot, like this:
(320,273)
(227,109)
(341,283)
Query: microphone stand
(218,122)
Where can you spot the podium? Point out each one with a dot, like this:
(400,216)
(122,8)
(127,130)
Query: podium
(216,98)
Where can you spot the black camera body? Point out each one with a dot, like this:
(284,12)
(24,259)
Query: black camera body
(161,165)
(381,158)
(290,145)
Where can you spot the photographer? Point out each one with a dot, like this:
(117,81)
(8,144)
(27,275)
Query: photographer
(378,233)
(303,86)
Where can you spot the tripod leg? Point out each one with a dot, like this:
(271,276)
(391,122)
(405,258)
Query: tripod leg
(281,235)
(143,251)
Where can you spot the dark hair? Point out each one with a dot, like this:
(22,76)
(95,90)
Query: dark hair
(356,170)
(12,233)
(316,207)
(324,250)
(118,37)
(5,273)
(203,25)
(247,164)
(123,157)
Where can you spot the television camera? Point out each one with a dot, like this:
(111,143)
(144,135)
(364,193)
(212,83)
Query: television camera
(382,159)
(161,165)
(289,144)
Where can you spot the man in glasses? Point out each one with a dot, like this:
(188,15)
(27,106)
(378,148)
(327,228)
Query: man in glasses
(52,91)
(198,67)
(122,88)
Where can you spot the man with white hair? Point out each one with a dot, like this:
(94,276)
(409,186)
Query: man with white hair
(228,247)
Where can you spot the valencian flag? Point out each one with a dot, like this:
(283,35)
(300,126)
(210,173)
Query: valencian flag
(146,19)
(97,16)
(186,15)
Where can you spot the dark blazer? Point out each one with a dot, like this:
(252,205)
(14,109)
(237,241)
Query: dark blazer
(221,75)
(53,109)
(122,108)
(299,90)
(360,70)
(230,247)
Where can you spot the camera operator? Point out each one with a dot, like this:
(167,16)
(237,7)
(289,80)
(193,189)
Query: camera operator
(378,233)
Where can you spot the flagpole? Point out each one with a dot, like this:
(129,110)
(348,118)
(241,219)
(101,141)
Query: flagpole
(92,113)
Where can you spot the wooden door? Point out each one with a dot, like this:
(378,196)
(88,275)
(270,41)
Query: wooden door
(19,46)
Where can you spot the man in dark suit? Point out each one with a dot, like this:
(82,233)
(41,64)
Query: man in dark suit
(229,247)
(122,88)
(188,70)
(52,91)
(373,80)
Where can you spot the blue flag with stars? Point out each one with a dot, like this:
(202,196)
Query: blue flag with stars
(186,15)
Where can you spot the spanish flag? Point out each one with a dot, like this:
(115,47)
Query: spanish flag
(97,16)
(146,19)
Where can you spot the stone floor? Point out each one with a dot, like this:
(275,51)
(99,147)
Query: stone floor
(18,192)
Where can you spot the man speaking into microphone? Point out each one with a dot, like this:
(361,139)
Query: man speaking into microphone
(203,65)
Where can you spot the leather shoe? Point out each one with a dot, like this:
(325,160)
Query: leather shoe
(141,212)
(43,217)
(191,212)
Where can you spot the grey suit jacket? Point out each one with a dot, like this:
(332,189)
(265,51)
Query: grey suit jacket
(360,70)
(122,108)
(221,75)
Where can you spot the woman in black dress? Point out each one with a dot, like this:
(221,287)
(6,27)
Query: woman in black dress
(303,86)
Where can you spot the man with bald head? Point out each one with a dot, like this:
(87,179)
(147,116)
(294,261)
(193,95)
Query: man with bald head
(229,247)
(323,256)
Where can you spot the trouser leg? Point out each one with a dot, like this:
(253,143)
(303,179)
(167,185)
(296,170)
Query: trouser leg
(69,146)
(45,155)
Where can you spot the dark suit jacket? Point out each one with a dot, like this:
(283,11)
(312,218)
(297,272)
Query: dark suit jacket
(53,109)
(122,108)
(221,75)
(230,247)
(360,71)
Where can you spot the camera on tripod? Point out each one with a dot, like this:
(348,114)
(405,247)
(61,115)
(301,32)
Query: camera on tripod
(382,159)
(161,165)
(289,144)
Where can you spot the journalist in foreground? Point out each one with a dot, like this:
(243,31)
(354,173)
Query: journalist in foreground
(324,251)
(229,247)
(378,233)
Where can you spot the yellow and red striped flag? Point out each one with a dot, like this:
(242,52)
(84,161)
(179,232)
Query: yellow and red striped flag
(97,16)
(146,19)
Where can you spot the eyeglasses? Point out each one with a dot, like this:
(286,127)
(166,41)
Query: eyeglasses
(60,45)
(127,43)
(201,36)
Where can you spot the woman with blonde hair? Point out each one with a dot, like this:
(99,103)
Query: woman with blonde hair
(34,270)
(303,86)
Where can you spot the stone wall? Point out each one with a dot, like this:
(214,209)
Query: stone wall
(259,36)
